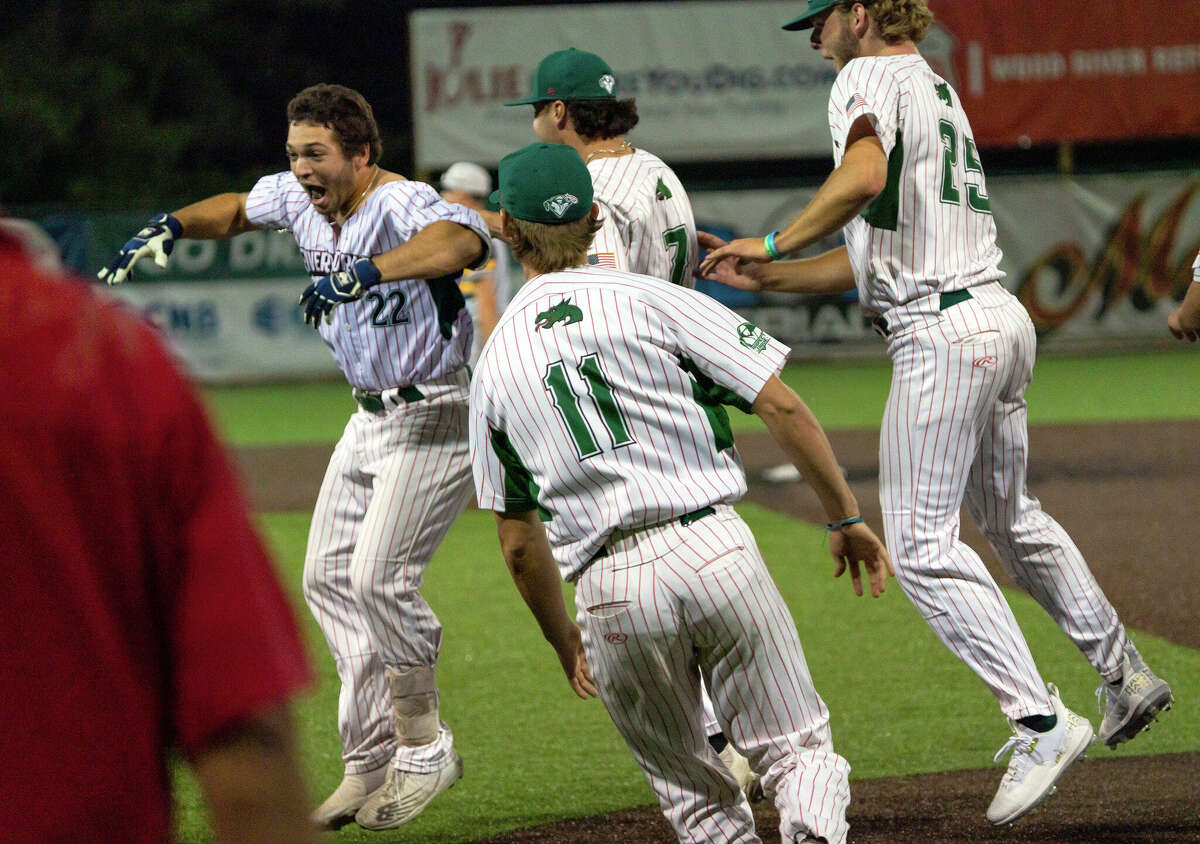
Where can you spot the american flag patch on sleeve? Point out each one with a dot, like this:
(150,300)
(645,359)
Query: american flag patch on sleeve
(854,102)
(603,259)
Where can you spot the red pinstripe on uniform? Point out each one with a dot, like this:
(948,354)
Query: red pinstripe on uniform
(678,604)
(954,430)
(396,481)
(635,217)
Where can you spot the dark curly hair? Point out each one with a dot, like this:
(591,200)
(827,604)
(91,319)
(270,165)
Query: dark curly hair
(595,119)
(342,110)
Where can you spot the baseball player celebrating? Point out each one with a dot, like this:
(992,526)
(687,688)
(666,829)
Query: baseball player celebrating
(596,411)
(646,222)
(646,219)
(921,248)
(380,249)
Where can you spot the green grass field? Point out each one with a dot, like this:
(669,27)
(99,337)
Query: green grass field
(1134,387)
(534,753)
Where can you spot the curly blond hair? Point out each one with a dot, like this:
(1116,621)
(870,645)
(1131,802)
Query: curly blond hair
(898,20)
(546,248)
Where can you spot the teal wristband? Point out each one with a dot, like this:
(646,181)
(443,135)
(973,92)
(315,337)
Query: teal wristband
(769,245)
(857,520)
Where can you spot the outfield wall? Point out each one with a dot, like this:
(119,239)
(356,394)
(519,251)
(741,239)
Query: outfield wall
(1098,260)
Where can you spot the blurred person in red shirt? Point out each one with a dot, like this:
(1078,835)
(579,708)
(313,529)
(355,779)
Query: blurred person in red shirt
(140,613)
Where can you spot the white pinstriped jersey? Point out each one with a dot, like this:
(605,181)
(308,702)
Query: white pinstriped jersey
(401,332)
(1196,269)
(931,230)
(648,226)
(607,416)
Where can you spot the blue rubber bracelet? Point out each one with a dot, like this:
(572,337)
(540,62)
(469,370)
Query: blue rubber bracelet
(844,523)
(769,245)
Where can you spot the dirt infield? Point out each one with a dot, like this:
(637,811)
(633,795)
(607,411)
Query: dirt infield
(1129,495)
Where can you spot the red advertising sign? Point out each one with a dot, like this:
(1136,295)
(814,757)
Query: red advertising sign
(1034,71)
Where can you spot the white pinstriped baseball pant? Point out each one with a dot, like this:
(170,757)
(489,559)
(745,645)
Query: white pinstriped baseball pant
(955,432)
(671,603)
(395,484)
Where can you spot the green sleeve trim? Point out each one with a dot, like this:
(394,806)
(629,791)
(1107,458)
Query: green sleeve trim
(520,491)
(884,210)
(712,397)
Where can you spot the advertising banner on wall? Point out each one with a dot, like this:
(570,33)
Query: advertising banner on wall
(227,308)
(701,73)
(1095,259)
(720,81)
(1031,71)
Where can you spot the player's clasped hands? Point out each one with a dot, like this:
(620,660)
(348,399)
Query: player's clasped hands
(857,544)
(326,293)
(742,250)
(728,268)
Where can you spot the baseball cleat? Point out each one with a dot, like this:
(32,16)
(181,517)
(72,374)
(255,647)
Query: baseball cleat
(749,782)
(1037,762)
(405,794)
(341,806)
(1130,706)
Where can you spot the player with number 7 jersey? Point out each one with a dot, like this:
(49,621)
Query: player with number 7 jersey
(646,222)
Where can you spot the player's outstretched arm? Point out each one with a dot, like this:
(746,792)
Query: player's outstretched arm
(1184,321)
(802,439)
(527,553)
(826,274)
(440,249)
(860,178)
(223,215)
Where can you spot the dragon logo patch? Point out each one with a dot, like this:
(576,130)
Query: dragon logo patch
(558,205)
(563,312)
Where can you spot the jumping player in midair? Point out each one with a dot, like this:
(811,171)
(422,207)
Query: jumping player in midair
(921,248)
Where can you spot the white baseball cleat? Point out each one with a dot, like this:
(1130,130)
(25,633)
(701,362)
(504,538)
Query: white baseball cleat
(341,806)
(749,782)
(1038,760)
(405,794)
(1130,706)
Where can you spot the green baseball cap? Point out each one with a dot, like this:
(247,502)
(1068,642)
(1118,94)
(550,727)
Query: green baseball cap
(571,75)
(544,183)
(815,7)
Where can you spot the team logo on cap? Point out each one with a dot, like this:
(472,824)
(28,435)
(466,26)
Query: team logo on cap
(558,205)
(607,82)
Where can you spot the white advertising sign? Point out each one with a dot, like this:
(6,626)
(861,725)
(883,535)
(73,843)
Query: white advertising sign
(701,72)
(226,330)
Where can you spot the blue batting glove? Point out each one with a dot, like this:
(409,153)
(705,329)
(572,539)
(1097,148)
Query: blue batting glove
(156,238)
(327,292)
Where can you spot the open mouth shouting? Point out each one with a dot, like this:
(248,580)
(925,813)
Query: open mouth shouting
(318,197)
